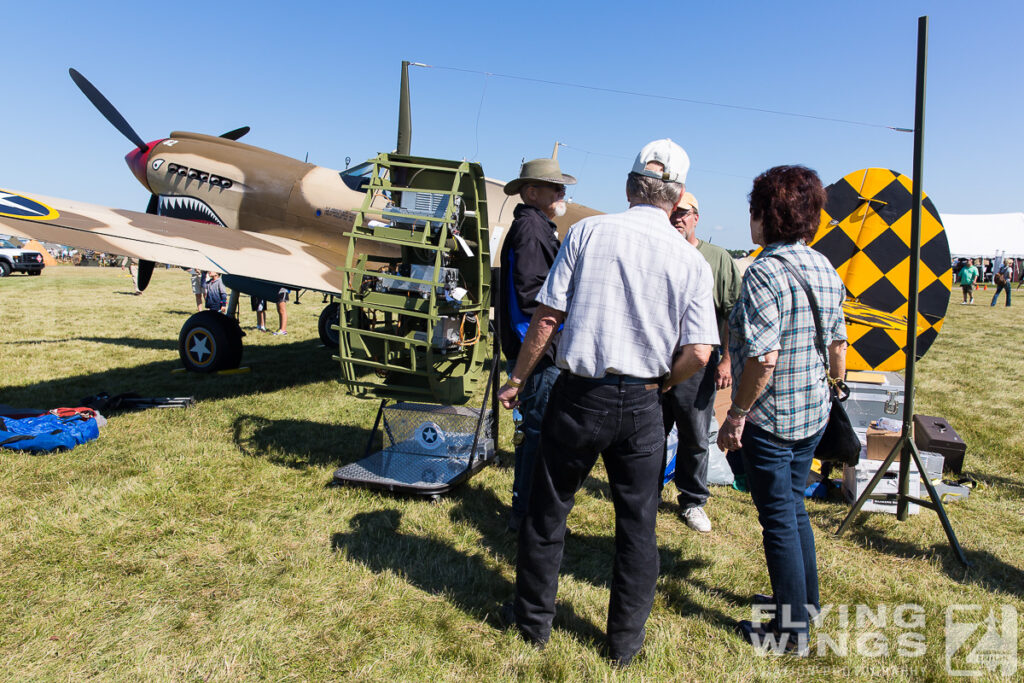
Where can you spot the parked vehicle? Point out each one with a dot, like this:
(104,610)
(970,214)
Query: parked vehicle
(14,259)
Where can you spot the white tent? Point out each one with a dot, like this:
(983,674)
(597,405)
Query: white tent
(986,235)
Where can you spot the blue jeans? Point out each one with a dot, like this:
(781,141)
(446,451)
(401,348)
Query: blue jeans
(777,472)
(622,423)
(533,403)
(1000,288)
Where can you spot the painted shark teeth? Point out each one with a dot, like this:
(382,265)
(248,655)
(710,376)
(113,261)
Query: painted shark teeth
(187,208)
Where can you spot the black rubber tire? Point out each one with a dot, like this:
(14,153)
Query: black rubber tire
(36,272)
(210,341)
(5,269)
(331,315)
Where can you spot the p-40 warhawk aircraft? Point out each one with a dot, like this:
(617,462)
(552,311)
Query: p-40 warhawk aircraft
(265,221)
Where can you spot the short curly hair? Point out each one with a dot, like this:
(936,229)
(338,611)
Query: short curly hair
(788,201)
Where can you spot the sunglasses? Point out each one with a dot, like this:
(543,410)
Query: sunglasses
(554,187)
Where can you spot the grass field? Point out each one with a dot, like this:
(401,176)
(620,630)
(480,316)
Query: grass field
(205,544)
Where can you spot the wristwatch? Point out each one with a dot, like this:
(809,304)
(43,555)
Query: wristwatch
(737,411)
(513,382)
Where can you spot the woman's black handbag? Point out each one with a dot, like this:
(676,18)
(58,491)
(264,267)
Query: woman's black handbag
(839,443)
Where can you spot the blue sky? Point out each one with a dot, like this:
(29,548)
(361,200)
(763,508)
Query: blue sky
(322,78)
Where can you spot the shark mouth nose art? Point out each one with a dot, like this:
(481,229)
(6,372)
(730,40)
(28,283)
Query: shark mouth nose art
(188,208)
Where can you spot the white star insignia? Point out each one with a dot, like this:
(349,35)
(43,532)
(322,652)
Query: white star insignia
(199,348)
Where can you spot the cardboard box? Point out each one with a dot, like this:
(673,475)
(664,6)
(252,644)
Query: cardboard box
(880,443)
(856,479)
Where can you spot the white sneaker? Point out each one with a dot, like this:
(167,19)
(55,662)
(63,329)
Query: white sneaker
(697,520)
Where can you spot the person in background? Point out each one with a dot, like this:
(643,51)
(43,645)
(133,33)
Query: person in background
(781,399)
(968,276)
(690,405)
(216,295)
(526,257)
(1002,279)
(636,302)
(129,264)
(282,311)
(198,285)
(259,306)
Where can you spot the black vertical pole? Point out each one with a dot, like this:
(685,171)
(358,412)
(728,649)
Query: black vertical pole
(905,448)
(915,265)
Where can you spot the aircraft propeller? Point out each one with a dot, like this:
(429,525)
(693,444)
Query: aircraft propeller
(112,115)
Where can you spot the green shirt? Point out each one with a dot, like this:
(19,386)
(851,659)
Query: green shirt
(727,278)
(968,274)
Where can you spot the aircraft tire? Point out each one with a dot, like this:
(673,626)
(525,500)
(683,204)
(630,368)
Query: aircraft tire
(210,341)
(331,315)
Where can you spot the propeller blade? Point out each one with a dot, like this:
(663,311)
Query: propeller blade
(145,273)
(107,109)
(236,133)
(146,267)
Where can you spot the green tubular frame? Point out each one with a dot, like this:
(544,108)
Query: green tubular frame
(397,345)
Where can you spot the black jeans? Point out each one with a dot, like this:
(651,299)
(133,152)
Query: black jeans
(622,422)
(533,403)
(689,405)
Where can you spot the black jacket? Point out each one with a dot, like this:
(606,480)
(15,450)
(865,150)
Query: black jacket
(526,257)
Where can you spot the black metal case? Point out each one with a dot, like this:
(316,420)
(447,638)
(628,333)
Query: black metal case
(934,434)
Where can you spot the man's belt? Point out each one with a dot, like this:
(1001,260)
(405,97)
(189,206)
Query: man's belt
(612,378)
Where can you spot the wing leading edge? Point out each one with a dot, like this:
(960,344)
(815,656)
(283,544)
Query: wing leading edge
(170,240)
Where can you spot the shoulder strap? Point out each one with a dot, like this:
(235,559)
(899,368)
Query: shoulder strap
(819,341)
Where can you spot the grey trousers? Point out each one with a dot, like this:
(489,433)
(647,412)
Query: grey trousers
(690,406)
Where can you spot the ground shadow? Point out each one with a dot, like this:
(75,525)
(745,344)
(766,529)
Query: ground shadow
(986,571)
(1013,486)
(273,368)
(299,443)
(466,581)
(134,342)
(587,557)
(598,488)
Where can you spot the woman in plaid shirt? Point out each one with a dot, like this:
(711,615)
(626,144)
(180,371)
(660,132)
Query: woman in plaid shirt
(780,398)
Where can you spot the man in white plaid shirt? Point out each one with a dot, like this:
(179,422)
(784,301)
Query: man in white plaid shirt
(636,300)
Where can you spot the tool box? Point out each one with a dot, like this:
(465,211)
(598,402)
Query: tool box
(934,434)
(856,479)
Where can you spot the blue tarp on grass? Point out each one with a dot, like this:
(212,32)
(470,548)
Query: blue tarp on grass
(47,432)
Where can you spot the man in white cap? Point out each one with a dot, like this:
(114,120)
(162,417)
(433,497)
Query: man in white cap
(526,257)
(690,404)
(636,303)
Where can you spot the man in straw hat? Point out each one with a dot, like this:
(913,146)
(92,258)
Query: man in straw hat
(526,257)
(638,316)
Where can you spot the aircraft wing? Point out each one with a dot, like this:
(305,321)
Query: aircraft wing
(170,240)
